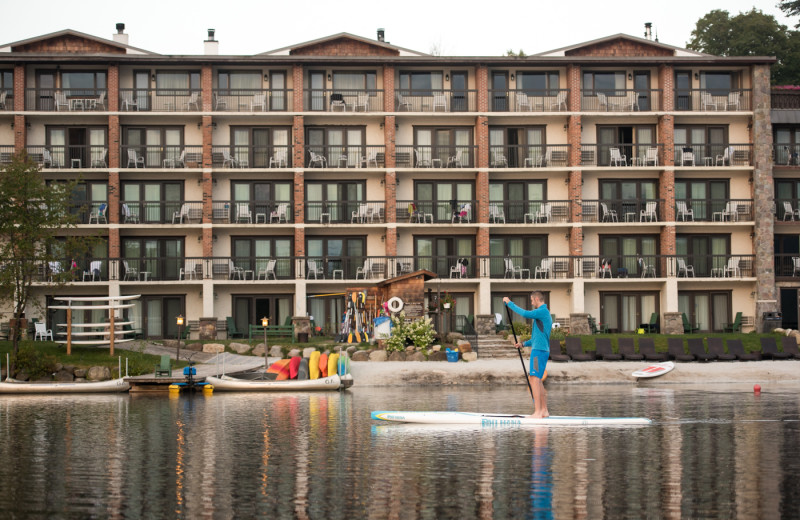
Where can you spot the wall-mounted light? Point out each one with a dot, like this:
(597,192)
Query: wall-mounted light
(200,238)
(382,182)
(153,77)
(214,238)
(752,294)
(696,76)
(512,76)
(329,76)
(266,78)
(213,125)
(447,77)
(566,180)
(566,127)
(569,290)
(630,76)
(566,236)
(383,238)
(752,235)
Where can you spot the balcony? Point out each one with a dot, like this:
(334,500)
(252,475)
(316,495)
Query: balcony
(253,100)
(787,267)
(613,211)
(528,100)
(345,212)
(713,155)
(161,156)
(437,211)
(63,157)
(786,154)
(530,212)
(252,212)
(6,154)
(440,101)
(160,100)
(713,210)
(160,212)
(349,156)
(702,100)
(621,100)
(90,212)
(458,156)
(622,154)
(82,270)
(65,100)
(787,210)
(338,100)
(529,156)
(249,157)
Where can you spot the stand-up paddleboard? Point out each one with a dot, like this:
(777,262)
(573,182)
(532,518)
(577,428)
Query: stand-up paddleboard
(313,365)
(499,419)
(655,370)
(333,362)
(323,365)
(302,371)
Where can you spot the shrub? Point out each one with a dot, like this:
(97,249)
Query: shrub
(397,341)
(35,363)
(421,334)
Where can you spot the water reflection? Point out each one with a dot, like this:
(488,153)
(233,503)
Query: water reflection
(717,453)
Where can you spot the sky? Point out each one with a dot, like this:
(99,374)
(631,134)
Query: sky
(251,27)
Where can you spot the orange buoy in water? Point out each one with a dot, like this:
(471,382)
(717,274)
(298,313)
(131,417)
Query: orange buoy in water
(757,388)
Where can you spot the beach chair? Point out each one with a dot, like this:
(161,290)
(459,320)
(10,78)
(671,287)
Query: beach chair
(676,351)
(603,350)
(652,325)
(555,351)
(698,350)
(736,348)
(789,345)
(233,332)
(627,350)
(575,351)
(769,349)
(736,326)
(164,369)
(687,325)
(716,346)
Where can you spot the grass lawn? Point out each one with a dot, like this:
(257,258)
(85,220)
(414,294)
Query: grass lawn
(751,341)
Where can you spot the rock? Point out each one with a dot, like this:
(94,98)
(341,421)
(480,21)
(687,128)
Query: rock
(378,355)
(69,368)
(98,374)
(438,356)
(64,375)
(79,380)
(293,353)
(196,346)
(452,337)
(22,376)
(59,367)
(360,355)
(258,350)
(436,348)
(469,356)
(397,356)
(308,351)
(464,346)
(351,349)
(415,356)
(170,343)
(239,348)
(79,373)
(276,351)
(779,330)
(411,348)
(214,348)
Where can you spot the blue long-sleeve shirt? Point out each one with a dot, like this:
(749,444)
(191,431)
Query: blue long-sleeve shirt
(542,324)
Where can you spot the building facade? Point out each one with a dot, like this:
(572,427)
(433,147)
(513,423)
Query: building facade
(623,177)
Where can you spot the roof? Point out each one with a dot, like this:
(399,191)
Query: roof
(676,51)
(400,51)
(127,49)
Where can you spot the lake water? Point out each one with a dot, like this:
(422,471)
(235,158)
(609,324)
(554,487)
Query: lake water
(713,452)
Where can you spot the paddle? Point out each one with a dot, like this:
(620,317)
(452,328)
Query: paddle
(357,317)
(519,351)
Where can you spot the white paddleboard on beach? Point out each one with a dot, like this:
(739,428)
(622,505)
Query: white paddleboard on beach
(499,419)
(655,370)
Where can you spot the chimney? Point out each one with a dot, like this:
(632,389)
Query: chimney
(211,46)
(648,30)
(120,36)
(381,33)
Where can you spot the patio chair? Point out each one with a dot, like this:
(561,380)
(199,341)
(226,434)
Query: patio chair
(313,269)
(193,101)
(100,160)
(359,214)
(454,161)
(370,158)
(3,96)
(496,213)
(60,100)
(337,101)
(724,158)
(645,268)
(135,159)
(769,349)
(189,270)
(49,161)
(176,162)
(698,350)
(362,101)
(130,272)
(649,212)
(627,350)
(555,351)
(317,160)
(268,271)
(280,213)
(182,213)
(544,269)
(676,350)
(789,344)
(684,211)
(94,270)
(603,350)
(732,267)
(736,326)
(259,101)
(561,100)
(499,160)
(684,269)
(617,158)
(164,368)
(439,101)
(604,268)
(736,348)
(707,100)
(364,270)
(730,212)
(795,265)
(99,102)
(456,269)
(42,332)
(687,158)
(716,346)
(652,325)
(789,212)
(463,214)
(129,216)
(602,101)
(128,100)
(733,101)
(401,102)
(544,213)
(229,160)
(243,213)
(99,213)
(232,331)
(523,104)
(647,348)
(278,159)
(234,272)
(510,268)
(608,215)
(575,350)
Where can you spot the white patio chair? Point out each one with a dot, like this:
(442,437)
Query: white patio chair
(724,158)
(646,268)
(279,213)
(455,160)
(128,100)
(544,213)
(684,212)
(49,161)
(228,159)
(176,162)
(510,268)
(370,158)
(439,100)
(99,213)
(193,101)
(684,269)
(463,214)
(498,160)
(189,270)
(422,160)
(609,215)
(733,101)
(617,158)
(456,269)
(182,213)
(651,156)
(243,213)
(561,100)
(732,267)
(649,212)
(707,100)
(523,103)
(497,213)
(278,159)
(317,160)
(135,159)
(543,269)
(94,270)
(100,160)
(687,158)
(42,332)
(3,96)
(60,99)
(602,101)
(362,101)
(401,102)
(795,265)
(128,215)
(789,212)
(314,270)
(604,269)
(730,212)
(258,101)
(268,271)
(359,214)
(363,271)
(235,272)
(130,272)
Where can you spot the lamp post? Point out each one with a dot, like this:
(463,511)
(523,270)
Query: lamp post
(179,321)
(264,323)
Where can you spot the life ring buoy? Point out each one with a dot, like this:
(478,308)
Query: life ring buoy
(395,304)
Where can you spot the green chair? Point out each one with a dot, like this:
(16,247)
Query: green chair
(687,326)
(233,332)
(736,326)
(165,368)
(651,326)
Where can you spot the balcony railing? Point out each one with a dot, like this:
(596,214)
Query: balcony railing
(620,100)
(345,212)
(786,154)
(245,156)
(160,100)
(437,211)
(705,100)
(160,212)
(58,157)
(530,267)
(554,100)
(459,156)
(529,156)
(6,154)
(436,100)
(252,212)
(530,212)
(708,155)
(787,265)
(787,210)
(349,156)
(622,210)
(714,210)
(65,100)
(622,154)
(342,100)
(253,100)
(79,270)
(160,156)
(90,211)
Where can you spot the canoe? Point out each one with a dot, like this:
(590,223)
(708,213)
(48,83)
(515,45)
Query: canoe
(228,383)
(496,419)
(11,386)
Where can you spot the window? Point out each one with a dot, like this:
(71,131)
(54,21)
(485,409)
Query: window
(160,258)
(787,146)
(7,85)
(522,300)
(154,144)
(623,253)
(703,197)
(719,83)
(277,97)
(632,141)
(538,83)
(249,309)
(628,197)
(257,145)
(177,83)
(358,81)
(709,310)
(153,201)
(786,247)
(253,253)
(705,142)
(786,190)
(264,197)
(703,252)
(524,251)
(155,315)
(84,144)
(610,83)
(517,145)
(331,254)
(326,312)
(341,146)
(421,82)
(515,199)
(435,145)
(440,254)
(83,83)
(87,197)
(444,199)
(626,311)
(230,82)
(337,200)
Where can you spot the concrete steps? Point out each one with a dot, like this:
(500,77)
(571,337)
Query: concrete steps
(495,347)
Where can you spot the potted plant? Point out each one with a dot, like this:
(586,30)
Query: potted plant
(447,301)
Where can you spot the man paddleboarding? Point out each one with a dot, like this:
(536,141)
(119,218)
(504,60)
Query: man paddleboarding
(540,351)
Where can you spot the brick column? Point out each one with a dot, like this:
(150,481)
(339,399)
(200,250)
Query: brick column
(206,84)
(114,194)
(297,86)
(482,138)
(208,242)
(482,86)
(390,196)
(299,242)
(666,81)
(388,89)
(299,138)
(575,189)
(574,129)
(115,246)
(20,133)
(391,241)
(114,142)
(482,242)
(112,97)
(666,136)
(206,125)
(19,88)
(482,196)
(208,197)
(574,86)
(389,141)
(666,192)
(299,197)
(390,177)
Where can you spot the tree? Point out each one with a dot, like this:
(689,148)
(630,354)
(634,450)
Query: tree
(33,218)
(749,34)
(790,7)
(520,54)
